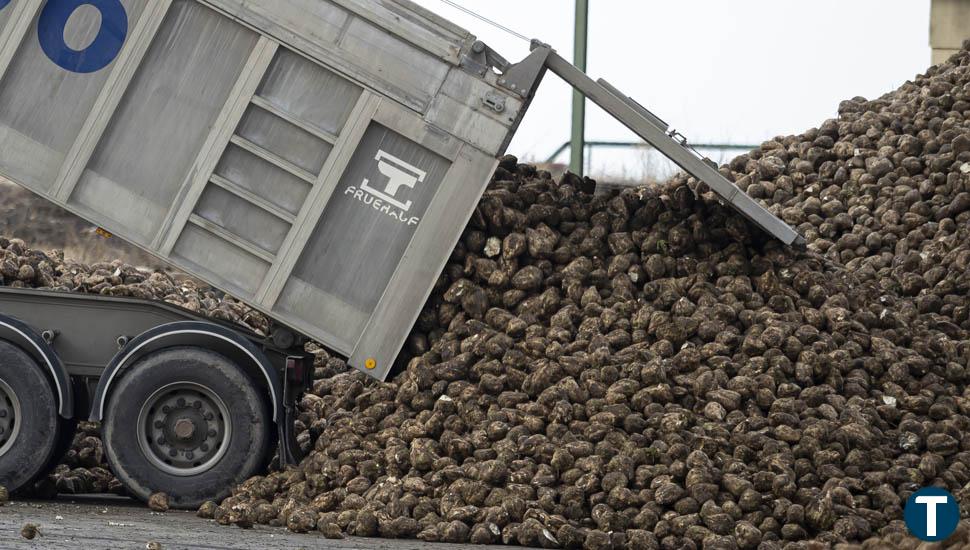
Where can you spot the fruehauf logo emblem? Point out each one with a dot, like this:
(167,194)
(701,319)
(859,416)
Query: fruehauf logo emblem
(390,201)
(931,514)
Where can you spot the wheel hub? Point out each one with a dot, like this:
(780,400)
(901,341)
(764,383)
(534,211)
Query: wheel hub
(183,428)
(9,417)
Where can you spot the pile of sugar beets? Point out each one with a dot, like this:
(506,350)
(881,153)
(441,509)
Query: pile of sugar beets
(644,369)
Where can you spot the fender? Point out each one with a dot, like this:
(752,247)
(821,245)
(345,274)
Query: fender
(20,333)
(198,333)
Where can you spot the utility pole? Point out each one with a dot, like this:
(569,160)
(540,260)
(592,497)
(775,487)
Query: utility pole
(578,141)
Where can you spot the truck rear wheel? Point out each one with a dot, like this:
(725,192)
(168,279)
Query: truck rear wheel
(28,418)
(188,422)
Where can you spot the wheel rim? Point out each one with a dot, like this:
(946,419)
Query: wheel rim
(9,417)
(184,428)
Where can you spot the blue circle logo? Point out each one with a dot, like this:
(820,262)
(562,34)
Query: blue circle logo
(104,48)
(931,514)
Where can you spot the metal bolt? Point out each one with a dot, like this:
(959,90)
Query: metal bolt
(189,455)
(197,404)
(166,409)
(208,416)
(3,413)
(159,424)
(160,440)
(180,401)
(173,453)
(204,448)
(212,433)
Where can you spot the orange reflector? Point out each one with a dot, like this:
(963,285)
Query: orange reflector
(370,363)
(103,232)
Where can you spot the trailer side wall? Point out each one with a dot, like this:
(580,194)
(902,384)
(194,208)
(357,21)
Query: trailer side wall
(316,159)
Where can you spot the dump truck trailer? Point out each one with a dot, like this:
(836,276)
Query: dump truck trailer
(315,159)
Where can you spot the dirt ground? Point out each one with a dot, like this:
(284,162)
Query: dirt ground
(95,522)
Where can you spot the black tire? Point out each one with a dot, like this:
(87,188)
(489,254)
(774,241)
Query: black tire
(36,436)
(243,452)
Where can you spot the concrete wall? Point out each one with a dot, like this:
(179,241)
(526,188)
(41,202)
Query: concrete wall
(949,27)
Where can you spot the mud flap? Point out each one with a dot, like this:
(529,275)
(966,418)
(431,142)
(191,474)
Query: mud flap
(297,380)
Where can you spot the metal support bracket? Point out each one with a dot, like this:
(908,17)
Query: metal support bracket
(480,58)
(523,77)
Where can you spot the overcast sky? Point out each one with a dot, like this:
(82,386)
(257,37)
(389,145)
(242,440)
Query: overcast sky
(738,71)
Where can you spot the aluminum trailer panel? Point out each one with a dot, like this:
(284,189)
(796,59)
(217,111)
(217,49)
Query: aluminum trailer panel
(317,159)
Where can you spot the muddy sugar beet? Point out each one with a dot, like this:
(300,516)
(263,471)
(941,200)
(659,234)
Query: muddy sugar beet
(644,369)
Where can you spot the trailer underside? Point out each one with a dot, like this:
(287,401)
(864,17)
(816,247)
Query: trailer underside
(84,344)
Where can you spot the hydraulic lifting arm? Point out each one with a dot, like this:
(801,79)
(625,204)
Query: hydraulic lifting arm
(651,128)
